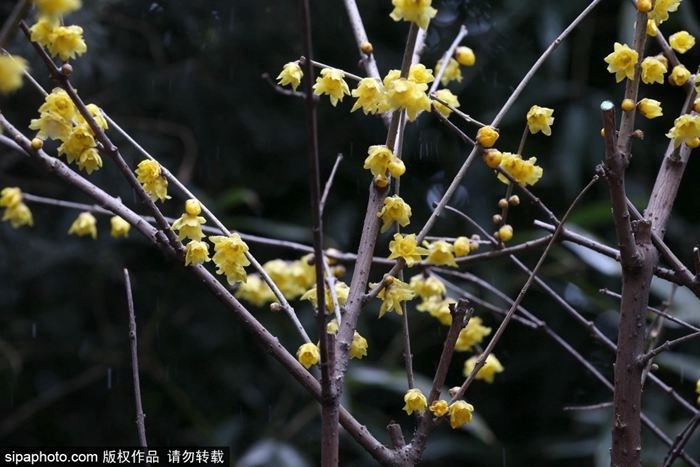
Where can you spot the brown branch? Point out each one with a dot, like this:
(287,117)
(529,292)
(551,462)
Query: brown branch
(643,359)
(9,27)
(140,415)
(681,440)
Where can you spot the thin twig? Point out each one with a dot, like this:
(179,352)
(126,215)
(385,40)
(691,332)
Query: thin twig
(140,416)
(681,440)
(9,27)
(329,182)
(665,346)
(656,311)
(444,60)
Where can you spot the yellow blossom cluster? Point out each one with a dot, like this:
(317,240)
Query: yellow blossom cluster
(380,160)
(525,172)
(488,372)
(49,31)
(150,176)
(16,212)
(686,129)
(409,93)
(230,257)
(59,119)
(431,291)
(12,67)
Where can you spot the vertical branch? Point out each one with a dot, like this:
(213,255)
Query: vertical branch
(10,25)
(140,416)
(329,391)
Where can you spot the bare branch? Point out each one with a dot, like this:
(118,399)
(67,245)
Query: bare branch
(140,416)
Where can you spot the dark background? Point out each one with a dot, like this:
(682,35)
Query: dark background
(184,78)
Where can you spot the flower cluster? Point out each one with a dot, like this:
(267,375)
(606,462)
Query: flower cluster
(525,172)
(59,119)
(472,334)
(49,31)
(380,160)
(12,67)
(150,176)
(230,257)
(341,293)
(431,291)
(488,372)
(15,210)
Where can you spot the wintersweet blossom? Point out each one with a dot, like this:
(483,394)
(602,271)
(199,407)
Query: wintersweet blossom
(438,308)
(652,28)
(189,225)
(472,334)
(465,56)
(415,401)
(342,291)
(685,129)
(12,68)
(230,257)
(10,196)
(293,278)
(291,74)
(16,212)
(525,172)
(59,102)
(332,83)
(653,70)
(679,75)
(406,247)
(418,73)
(150,175)
(622,61)
(439,408)
(650,108)
(427,287)
(78,140)
(358,347)
(449,98)
(119,227)
(662,8)
(84,224)
(96,114)
(415,11)
(407,94)
(395,209)
(487,136)
(56,7)
(452,72)
(66,42)
(381,159)
(51,125)
(255,291)
(196,252)
(371,97)
(487,372)
(460,413)
(394,293)
(461,246)
(89,160)
(505,233)
(441,253)
(308,354)
(540,119)
(682,41)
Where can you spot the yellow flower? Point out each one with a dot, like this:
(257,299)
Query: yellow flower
(465,56)
(89,160)
(406,248)
(11,69)
(370,96)
(10,197)
(380,159)
(230,257)
(393,294)
(51,125)
(254,290)
(653,70)
(415,401)
(96,114)
(189,225)
(447,96)
(438,308)
(622,61)
(79,139)
(427,287)
(650,108)
(149,174)
(525,172)
(60,103)
(662,8)
(196,252)
(42,30)
(120,227)
(407,94)
(697,389)
(415,11)
(332,83)
(452,72)
(56,7)
(440,253)
(438,408)
(67,42)
(395,210)
(18,215)
(332,327)
(685,129)
(487,372)
(460,413)
(505,233)
(418,73)
(308,355)
(652,28)
(472,334)
(540,119)
(681,41)
(679,75)
(85,224)
(341,292)
(283,274)
(461,246)
(291,74)
(487,136)
(358,347)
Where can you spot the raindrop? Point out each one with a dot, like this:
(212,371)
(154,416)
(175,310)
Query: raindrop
(33,330)
(109,378)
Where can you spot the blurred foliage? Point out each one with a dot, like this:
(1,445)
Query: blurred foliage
(184,78)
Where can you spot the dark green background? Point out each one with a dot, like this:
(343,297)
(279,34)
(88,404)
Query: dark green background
(184,78)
